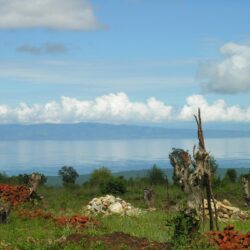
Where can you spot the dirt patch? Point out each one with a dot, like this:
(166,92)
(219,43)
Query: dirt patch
(116,240)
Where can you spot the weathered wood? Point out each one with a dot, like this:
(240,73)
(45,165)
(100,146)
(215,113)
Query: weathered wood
(4,213)
(202,159)
(148,197)
(34,182)
(245,185)
(194,175)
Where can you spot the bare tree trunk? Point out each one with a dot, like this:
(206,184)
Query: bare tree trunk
(202,159)
(209,197)
(194,176)
(246,191)
(35,180)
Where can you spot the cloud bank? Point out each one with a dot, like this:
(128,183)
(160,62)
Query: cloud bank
(118,108)
(231,74)
(52,14)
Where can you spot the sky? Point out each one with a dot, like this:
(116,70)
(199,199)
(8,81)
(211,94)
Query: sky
(126,61)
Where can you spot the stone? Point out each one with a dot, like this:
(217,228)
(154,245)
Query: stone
(116,208)
(226,202)
(111,205)
(226,211)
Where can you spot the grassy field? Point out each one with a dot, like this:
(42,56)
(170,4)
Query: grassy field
(39,233)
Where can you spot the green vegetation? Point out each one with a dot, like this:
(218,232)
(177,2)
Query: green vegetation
(162,225)
(68,175)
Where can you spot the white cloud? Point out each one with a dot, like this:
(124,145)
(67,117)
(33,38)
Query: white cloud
(52,14)
(231,74)
(113,108)
(118,108)
(217,111)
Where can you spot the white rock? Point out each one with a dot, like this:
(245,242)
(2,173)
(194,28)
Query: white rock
(116,208)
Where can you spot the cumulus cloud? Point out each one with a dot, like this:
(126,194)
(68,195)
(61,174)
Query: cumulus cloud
(113,108)
(52,14)
(118,108)
(217,111)
(229,75)
(47,48)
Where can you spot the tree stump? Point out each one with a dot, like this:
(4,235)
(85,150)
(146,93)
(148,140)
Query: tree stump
(4,213)
(245,185)
(148,197)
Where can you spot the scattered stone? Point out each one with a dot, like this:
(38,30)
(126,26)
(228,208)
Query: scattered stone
(226,211)
(110,204)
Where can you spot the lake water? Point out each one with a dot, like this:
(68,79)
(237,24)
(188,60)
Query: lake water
(119,155)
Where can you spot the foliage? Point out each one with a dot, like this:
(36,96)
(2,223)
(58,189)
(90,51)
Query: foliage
(245,175)
(3,177)
(213,166)
(100,177)
(230,176)
(42,234)
(23,179)
(181,156)
(116,185)
(186,225)
(68,174)
(157,176)
(43,178)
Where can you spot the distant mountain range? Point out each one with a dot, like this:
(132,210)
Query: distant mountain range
(96,131)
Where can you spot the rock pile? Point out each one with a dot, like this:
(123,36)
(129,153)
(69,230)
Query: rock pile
(110,204)
(226,211)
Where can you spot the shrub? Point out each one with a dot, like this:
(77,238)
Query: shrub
(116,185)
(186,225)
(100,176)
(230,176)
(157,176)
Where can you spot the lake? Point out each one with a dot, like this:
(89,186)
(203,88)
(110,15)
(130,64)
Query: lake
(119,155)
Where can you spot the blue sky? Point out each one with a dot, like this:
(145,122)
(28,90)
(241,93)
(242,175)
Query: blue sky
(168,50)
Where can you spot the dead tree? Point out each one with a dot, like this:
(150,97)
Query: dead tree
(34,182)
(245,185)
(202,161)
(194,175)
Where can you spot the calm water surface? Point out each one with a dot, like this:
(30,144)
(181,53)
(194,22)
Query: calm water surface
(119,155)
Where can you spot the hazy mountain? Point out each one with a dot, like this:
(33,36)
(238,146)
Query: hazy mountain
(94,131)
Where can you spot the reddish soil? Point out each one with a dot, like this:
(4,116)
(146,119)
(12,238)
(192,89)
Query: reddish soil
(117,240)
(77,220)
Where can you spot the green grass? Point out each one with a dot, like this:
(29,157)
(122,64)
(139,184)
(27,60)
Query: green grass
(41,234)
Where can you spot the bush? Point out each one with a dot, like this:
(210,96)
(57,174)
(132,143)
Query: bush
(230,176)
(100,177)
(186,225)
(157,176)
(3,177)
(116,185)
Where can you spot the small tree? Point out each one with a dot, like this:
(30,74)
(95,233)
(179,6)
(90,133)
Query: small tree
(157,176)
(68,174)
(231,175)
